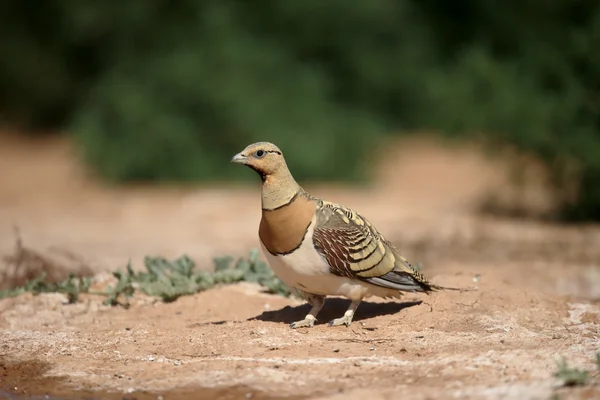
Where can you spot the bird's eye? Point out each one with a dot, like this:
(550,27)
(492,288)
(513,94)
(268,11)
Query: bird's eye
(259,153)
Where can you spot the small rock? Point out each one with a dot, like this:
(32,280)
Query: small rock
(336,350)
(177,363)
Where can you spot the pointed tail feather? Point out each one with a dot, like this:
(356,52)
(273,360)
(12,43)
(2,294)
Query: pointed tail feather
(437,287)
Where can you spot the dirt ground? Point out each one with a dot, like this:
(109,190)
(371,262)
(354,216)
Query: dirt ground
(537,297)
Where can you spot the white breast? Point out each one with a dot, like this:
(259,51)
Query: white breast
(306,270)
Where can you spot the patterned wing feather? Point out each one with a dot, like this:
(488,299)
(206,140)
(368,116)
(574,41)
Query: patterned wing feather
(354,248)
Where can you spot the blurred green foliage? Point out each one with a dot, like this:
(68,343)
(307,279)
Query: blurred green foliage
(161,90)
(571,376)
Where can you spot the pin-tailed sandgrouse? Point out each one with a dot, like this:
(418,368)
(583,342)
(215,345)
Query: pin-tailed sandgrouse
(320,248)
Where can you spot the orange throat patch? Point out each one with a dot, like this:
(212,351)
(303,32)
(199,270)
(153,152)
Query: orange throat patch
(282,230)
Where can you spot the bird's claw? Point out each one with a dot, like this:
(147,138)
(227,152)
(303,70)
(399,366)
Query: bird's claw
(305,323)
(345,320)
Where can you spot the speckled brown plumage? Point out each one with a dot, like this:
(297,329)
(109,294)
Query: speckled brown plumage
(355,249)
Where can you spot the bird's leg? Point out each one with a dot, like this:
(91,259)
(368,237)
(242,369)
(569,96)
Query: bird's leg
(348,315)
(316,301)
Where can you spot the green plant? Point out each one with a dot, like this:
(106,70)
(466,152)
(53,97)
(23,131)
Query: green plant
(570,376)
(72,287)
(170,280)
(251,269)
(167,280)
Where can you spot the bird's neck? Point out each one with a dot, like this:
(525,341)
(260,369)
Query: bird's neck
(278,190)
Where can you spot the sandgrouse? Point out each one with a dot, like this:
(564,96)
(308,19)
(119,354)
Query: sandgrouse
(319,248)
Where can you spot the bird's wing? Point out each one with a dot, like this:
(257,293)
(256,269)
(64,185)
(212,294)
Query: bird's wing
(354,248)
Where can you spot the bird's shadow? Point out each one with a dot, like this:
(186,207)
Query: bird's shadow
(334,308)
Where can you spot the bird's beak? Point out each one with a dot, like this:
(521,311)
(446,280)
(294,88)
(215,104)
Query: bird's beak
(239,159)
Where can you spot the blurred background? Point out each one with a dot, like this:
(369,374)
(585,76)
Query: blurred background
(108,107)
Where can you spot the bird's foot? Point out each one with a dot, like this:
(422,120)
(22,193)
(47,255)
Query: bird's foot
(345,320)
(307,322)
(348,315)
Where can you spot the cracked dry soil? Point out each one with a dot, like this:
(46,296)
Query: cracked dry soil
(537,299)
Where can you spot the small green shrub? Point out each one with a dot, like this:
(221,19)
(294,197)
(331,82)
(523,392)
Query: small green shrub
(170,280)
(72,287)
(571,376)
(167,280)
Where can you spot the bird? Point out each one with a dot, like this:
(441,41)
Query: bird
(319,248)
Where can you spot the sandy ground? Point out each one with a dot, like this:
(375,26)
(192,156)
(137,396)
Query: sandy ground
(537,297)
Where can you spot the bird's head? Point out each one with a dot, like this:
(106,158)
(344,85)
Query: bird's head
(263,157)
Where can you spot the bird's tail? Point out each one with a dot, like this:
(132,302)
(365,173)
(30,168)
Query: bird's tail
(437,287)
